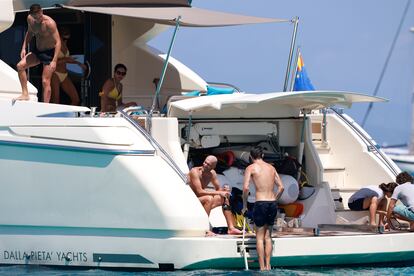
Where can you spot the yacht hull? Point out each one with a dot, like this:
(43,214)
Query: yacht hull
(149,252)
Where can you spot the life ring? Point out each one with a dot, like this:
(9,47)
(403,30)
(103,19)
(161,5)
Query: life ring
(227,157)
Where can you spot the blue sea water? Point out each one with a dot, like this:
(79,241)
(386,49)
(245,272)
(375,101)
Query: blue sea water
(354,270)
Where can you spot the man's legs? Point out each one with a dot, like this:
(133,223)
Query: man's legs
(268,245)
(206,201)
(218,201)
(28,61)
(46,78)
(404,213)
(260,236)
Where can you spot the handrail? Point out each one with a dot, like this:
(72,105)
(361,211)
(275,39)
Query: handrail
(164,155)
(225,84)
(366,140)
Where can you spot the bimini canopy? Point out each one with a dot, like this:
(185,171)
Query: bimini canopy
(112,3)
(278,104)
(190,17)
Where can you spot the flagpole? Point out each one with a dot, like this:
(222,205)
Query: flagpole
(292,79)
(292,47)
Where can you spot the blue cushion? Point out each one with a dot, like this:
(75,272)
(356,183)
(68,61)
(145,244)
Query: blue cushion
(211,90)
(192,93)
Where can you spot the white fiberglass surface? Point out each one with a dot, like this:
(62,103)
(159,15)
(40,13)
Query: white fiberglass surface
(304,99)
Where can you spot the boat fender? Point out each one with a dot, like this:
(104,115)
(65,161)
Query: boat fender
(293,210)
(227,157)
(291,192)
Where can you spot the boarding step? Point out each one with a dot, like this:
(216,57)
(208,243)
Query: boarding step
(321,148)
(351,228)
(308,231)
(334,169)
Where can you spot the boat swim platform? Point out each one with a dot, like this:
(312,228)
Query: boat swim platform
(322,230)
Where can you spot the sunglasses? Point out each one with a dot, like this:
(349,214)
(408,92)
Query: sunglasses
(120,73)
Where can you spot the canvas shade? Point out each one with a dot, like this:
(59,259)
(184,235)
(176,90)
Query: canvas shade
(190,17)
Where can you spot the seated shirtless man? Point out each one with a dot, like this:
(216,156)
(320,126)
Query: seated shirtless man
(199,177)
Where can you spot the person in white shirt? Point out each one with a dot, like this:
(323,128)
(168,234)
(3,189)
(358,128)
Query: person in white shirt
(404,211)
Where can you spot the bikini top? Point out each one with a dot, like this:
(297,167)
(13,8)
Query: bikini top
(62,55)
(113,94)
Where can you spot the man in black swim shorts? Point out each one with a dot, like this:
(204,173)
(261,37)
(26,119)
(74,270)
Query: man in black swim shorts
(47,49)
(265,178)
(45,56)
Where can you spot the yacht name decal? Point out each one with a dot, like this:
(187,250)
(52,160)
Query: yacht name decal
(68,256)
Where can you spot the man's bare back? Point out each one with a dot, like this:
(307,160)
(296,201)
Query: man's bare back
(264,178)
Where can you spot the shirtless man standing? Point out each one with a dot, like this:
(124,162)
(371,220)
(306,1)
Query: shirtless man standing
(199,177)
(265,178)
(47,49)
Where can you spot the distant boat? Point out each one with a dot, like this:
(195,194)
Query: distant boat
(402,156)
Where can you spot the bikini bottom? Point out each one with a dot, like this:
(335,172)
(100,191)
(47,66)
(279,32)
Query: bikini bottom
(61,76)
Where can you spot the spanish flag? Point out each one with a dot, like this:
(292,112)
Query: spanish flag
(302,81)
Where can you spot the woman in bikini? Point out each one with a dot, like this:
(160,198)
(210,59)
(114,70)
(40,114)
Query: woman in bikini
(60,77)
(111,94)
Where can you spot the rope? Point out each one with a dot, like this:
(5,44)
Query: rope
(387,61)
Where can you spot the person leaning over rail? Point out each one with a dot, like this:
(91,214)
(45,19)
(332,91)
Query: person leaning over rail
(111,94)
(372,198)
(46,51)
(264,177)
(199,178)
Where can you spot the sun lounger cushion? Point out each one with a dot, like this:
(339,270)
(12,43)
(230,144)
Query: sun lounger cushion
(211,90)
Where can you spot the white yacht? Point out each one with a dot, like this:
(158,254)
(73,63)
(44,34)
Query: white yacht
(80,188)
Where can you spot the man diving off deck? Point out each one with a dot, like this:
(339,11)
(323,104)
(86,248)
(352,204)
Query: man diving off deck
(199,177)
(44,29)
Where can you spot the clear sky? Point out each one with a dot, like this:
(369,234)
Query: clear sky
(344,45)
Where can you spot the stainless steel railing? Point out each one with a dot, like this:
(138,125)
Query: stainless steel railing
(368,141)
(160,151)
